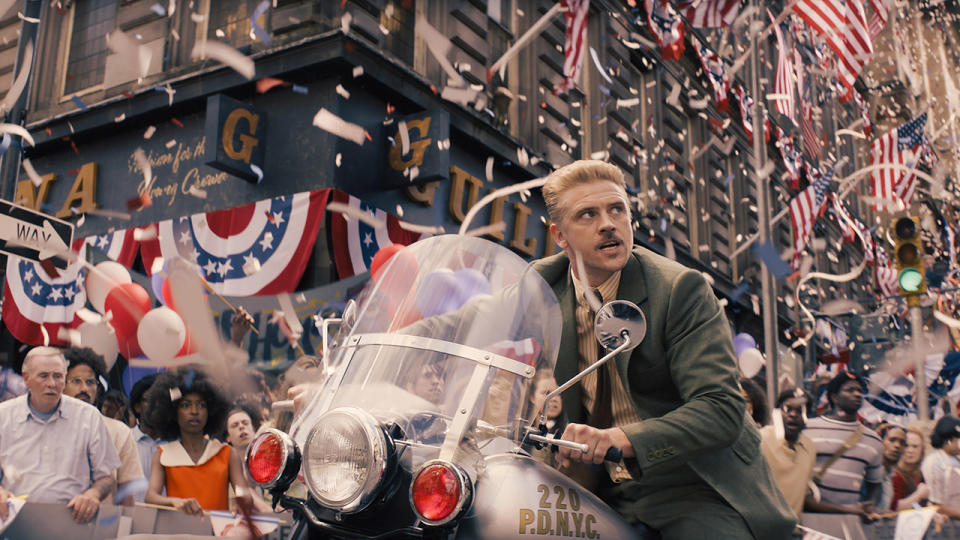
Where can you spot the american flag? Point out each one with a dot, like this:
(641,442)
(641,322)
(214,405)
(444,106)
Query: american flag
(885,274)
(811,141)
(574,41)
(785,76)
(713,67)
(805,208)
(261,248)
(709,13)
(355,241)
(901,146)
(35,303)
(667,26)
(844,218)
(879,18)
(791,158)
(842,23)
(864,112)
(745,102)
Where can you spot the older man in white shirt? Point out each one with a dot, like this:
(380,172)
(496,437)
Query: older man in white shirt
(54,448)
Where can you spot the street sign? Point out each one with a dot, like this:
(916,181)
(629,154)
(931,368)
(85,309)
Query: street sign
(33,235)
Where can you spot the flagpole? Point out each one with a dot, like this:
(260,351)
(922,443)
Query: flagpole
(768,299)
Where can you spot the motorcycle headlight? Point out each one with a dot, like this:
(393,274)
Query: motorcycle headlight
(346,457)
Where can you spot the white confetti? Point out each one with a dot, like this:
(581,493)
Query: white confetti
(13,94)
(257,171)
(197,17)
(345,21)
(399,211)
(346,210)
(14,129)
(31,172)
(146,233)
(462,96)
(422,229)
(29,20)
(110,214)
(88,316)
(338,159)
(357,71)
(46,335)
(632,102)
(674,97)
(197,192)
(439,47)
(343,92)
(227,55)
(404,137)
(149,132)
(141,159)
(252,266)
(171,143)
(489,169)
(523,159)
(121,118)
(332,123)
(175,394)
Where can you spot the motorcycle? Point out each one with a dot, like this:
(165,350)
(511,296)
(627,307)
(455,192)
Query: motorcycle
(423,423)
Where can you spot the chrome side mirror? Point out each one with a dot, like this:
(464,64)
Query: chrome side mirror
(349,317)
(617,321)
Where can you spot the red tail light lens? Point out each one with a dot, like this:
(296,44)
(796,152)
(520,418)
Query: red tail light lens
(265,458)
(439,492)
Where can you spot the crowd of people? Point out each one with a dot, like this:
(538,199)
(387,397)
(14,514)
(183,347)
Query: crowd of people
(177,440)
(836,463)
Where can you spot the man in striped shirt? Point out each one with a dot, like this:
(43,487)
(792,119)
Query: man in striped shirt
(851,483)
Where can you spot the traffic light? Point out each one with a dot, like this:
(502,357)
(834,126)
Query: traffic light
(908,255)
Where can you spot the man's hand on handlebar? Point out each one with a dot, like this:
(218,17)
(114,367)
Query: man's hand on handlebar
(598,440)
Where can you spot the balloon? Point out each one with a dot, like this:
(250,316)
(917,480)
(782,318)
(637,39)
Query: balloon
(189,346)
(742,342)
(99,282)
(128,302)
(156,283)
(438,293)
(471,282)
(382,257)
(161,334)
(102,339)
(751,361)
(166,294)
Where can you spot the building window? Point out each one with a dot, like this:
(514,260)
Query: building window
(92,21)
(230,22)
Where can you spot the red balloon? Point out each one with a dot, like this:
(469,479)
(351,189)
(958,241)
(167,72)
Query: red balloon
(167,294)
(382,256)
(189,347)
(128,302)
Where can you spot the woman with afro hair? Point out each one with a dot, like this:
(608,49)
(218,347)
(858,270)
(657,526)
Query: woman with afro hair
(185,408)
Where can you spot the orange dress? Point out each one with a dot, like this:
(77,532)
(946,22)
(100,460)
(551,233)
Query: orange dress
(207,480)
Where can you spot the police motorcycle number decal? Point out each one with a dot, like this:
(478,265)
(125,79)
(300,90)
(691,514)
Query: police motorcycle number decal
(558,514)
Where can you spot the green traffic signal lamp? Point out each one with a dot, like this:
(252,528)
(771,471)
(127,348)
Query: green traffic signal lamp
(910,280)
(908,256)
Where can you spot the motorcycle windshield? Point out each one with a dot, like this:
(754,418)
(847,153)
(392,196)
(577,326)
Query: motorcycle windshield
(450,337)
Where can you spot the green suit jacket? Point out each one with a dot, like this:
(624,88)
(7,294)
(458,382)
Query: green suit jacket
(682,380)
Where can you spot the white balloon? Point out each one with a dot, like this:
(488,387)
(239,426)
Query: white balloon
(99,283)
(751,361)
(102,338)
(161,334)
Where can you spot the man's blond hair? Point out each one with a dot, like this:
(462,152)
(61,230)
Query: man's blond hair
(578,172)
(37,352)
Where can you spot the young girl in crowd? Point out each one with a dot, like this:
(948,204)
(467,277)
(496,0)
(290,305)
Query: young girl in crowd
(185,408)
(938,468)
(908,486)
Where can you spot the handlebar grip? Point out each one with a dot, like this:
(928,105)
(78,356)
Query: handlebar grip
(613,454)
